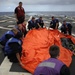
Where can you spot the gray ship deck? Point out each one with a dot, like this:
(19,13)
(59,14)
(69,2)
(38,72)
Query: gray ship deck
(8,68)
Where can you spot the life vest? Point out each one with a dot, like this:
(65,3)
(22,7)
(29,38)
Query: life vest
(40,22)
(65,27)
(51,66)
(7,49)
(23,28)
(3,38)
(53,23)
(20,12)
(31,24)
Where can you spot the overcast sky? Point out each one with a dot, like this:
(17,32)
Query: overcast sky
(38,5)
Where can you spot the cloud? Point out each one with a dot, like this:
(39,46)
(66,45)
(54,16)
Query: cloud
(38,2)
(39,5)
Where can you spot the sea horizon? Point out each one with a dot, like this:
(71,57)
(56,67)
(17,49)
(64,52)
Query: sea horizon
(58,13)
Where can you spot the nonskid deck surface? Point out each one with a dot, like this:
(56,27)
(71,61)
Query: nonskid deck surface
(8,68)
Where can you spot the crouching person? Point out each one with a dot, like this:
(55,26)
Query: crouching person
(40,22)
(32,24)
(52,66)
(13,48)
(66,28)
(21,26)
(6,36)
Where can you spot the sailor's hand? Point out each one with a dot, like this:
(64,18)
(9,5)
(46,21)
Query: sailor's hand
(34,28)
(16,20)
(21,64)
(39,26)
(44,26)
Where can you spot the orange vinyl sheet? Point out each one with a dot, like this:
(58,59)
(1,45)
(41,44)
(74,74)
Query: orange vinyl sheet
(36,47)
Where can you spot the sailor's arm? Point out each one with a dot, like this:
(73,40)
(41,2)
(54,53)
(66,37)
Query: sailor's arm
(15,13)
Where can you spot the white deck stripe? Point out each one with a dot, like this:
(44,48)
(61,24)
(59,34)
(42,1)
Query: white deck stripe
(5,28)
(11,26)
(6,64)
(3,21)
(14,25)
(5,67)
(9,17)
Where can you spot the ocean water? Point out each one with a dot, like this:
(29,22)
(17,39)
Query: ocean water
(70,14)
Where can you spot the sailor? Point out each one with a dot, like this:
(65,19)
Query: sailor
(21,26)
(69,28)
(40,22)
(6,36)
(19,12)
(66,28)
(32,24)
(52,66)
(54,23)
(13,48)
